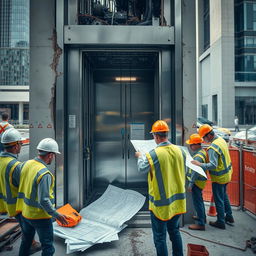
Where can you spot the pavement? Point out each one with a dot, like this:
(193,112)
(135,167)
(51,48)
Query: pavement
(138,241)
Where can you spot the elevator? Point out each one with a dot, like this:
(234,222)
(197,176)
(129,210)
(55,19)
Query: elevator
(122,105)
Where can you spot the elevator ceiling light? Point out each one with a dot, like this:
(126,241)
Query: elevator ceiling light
(126,79)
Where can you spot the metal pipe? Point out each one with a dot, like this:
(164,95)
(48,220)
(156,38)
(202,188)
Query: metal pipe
(241,180)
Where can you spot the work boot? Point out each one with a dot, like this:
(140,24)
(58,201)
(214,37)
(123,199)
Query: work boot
(217,224)
(35,247)
(229,219)
(196,227)
(194,217)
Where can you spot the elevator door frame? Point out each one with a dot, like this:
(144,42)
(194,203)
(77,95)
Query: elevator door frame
(76,181)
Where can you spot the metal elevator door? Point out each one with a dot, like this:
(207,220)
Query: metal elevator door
(123,110)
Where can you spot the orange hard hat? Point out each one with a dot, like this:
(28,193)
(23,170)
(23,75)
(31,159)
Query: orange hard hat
(194,139)
(160,126)
(204,129)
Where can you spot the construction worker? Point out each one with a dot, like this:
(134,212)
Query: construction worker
(165,166)
(4,125)
(9,177)
(197,182)
(220,169)
(36,197)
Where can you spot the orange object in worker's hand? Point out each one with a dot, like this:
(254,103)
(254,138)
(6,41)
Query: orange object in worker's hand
(73,217)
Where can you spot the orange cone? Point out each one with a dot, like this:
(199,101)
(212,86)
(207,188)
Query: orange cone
(212,209)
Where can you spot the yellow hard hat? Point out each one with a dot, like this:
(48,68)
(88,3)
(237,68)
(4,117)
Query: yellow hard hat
(204,129)
(160,126)
(194,139)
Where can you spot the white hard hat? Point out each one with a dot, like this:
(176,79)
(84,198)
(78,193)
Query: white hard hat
(10,135)
(48,145)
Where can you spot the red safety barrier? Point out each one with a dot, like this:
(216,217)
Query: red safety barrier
(249,170)
(233,187)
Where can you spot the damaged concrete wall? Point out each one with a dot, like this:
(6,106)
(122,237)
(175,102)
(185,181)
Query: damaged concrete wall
(44,56)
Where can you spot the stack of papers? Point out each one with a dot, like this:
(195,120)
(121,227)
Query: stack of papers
(102,220)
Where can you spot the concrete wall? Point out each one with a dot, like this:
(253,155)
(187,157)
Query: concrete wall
(42,76)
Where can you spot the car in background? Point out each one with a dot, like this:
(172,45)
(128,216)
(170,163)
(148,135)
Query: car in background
(204,120)
(241,139)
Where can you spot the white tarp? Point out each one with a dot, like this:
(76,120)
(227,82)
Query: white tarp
(145,146)
(102,219)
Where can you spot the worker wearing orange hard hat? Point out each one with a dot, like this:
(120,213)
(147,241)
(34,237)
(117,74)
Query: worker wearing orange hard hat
(166,183)
(196,181)
(220,169)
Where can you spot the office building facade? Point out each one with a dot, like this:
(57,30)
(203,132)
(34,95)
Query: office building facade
(226,61)
(14,59)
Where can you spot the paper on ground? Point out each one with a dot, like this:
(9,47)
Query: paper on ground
(102,220)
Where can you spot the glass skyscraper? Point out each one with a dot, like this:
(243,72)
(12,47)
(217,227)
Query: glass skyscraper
(14,42)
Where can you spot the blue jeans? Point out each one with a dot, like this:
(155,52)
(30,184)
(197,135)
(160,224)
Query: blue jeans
(221,201)
(199,204)
(44,229)
(159,229)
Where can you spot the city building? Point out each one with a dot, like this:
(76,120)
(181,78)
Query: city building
(226,61)
(14,59)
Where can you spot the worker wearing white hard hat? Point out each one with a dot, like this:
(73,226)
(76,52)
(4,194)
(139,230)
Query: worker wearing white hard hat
(37,200)
(9,165)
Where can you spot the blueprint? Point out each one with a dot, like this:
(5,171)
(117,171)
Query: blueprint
(145,146)
(102,219)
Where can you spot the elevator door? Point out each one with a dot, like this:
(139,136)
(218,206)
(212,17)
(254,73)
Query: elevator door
(123,110)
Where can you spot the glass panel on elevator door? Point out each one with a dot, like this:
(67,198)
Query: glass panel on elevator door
(123,107)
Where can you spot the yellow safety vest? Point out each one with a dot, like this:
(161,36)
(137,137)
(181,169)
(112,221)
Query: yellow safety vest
(27,203)
(222,174)
(200,181)
(166,181)
(8,192)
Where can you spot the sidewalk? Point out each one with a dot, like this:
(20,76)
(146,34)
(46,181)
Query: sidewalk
(139,242)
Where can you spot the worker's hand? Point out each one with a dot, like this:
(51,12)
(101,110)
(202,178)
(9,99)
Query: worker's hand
(196,163)
(138,154)
(62,219)
(190,189)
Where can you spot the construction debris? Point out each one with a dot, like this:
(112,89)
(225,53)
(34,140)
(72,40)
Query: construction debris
(9,232)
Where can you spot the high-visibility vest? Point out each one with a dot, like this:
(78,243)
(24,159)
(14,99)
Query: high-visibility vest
(8,192)
(166,181)
(223,172)
(3,127)
(27,202)
(200,181)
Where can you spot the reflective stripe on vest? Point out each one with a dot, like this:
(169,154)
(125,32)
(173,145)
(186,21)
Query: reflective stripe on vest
(200,180)
(32,200)
(8,192)
(222,173)
(27,203)
(165,207)
(2,128)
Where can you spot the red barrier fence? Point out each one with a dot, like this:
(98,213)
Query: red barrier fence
(249,170)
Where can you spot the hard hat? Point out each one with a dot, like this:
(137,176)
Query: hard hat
(11,135)
(160,126)
(48,145)
(204,129)
(194,139)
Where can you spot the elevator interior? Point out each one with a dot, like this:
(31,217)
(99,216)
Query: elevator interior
(121,89)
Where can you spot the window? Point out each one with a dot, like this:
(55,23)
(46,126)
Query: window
(245,108)
(206,24)
(205,111)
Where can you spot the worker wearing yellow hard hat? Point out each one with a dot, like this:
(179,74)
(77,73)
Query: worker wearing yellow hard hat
(166,188)
(220,169)
(196,181)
